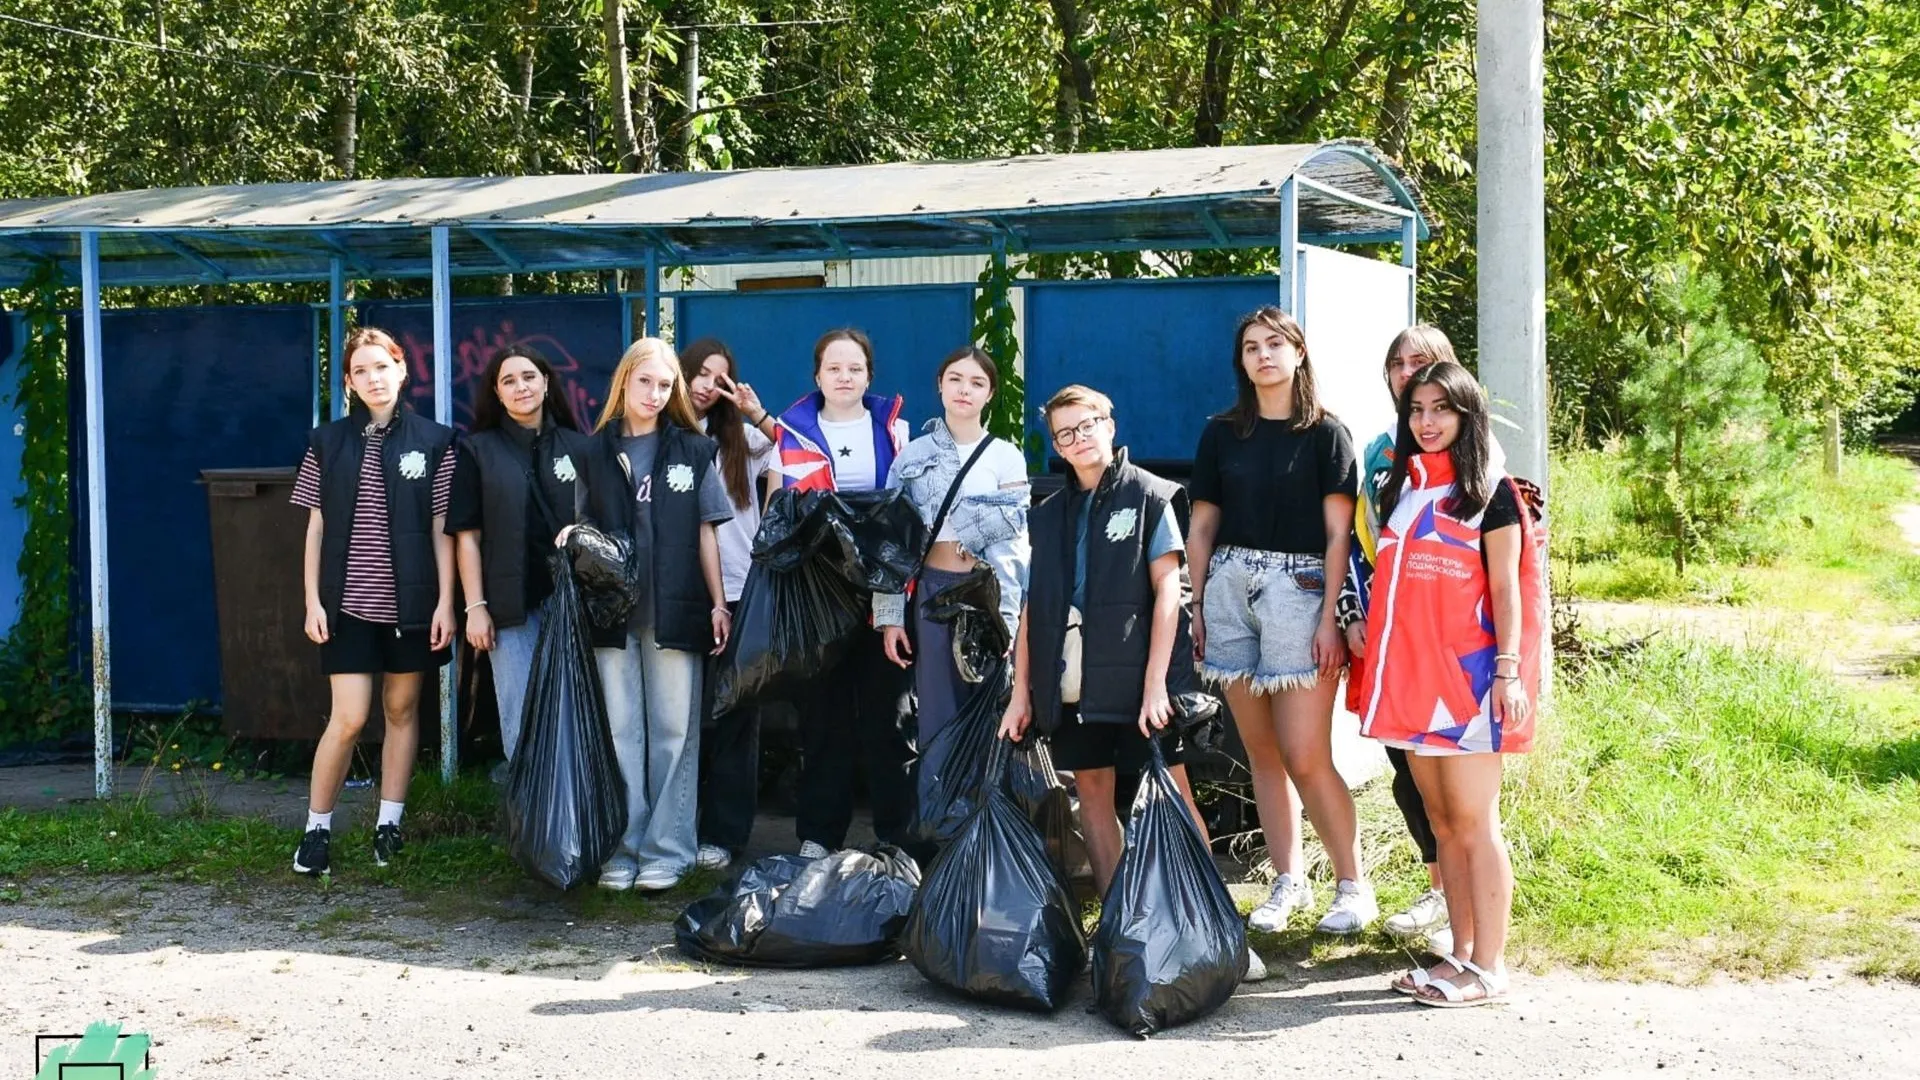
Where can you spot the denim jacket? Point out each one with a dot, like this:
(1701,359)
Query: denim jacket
(991,527)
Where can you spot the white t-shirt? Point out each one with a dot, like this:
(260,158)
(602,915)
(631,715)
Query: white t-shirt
(850,445)
(1000,466)
(736,534)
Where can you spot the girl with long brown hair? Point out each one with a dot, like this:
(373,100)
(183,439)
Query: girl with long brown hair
(1273,491)
(730,413)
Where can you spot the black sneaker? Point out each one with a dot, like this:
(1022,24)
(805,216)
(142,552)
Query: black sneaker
(312,856)
(386,844)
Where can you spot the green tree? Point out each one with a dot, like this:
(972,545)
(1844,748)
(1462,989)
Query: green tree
(1706,439)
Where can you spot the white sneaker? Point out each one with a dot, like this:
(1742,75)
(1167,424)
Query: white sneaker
(811,851)
(617,875)
(1256,968)
(656,878)
(1288,896)
(1440,942)
(1353,908)
(712,857)
(1423,916)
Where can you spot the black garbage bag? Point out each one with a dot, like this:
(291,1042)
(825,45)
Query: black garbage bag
(951,770)
(995,920)
(787,912)
(565,804)
(1036,788)
(818,557)
(603,564)
(1170,947)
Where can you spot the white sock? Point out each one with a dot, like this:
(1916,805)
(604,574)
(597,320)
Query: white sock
(318,820)
(390,812)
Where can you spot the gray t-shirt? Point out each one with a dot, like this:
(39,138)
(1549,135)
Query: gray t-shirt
(715,507)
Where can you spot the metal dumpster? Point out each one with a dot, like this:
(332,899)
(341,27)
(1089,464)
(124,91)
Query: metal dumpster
(270,681)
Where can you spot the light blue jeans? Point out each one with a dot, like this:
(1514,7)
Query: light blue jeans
(512,660)
(653,710)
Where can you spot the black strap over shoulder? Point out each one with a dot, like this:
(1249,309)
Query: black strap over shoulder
(953,493)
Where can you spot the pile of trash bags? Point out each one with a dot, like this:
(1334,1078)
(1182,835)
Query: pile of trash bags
(817,559)
(995,920)
(565,804)
(788,912)
(1170,947)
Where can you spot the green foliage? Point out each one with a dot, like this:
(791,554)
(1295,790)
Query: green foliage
(40,695)
(993,331)
(1705,441)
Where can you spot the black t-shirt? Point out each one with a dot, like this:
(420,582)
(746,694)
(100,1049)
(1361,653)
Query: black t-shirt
(464,513)
(1270,485)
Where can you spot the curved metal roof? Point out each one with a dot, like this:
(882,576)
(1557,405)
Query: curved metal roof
(1200,198)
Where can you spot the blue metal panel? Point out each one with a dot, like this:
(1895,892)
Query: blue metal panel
(13,518)
(772,334)
(1161,349)
(581,336)
(183,389)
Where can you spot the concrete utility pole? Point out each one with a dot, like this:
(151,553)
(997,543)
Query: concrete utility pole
(1512,229)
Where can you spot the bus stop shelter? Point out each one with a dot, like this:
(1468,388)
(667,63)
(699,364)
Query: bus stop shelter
(1293,198)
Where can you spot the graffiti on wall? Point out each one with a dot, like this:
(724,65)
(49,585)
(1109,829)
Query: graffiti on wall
(578,336)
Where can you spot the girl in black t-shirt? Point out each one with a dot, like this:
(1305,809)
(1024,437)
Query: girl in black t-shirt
(1273,493)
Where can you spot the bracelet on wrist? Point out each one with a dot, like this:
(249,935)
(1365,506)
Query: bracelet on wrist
(475,604)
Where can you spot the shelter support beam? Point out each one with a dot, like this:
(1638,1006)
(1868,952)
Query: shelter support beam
(1289,255)
(97,516)
(443,412)
(651,326)
(1410,258)
(337,335)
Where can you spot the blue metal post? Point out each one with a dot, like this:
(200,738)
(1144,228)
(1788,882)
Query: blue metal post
(652,327)
(97,516)
(313,421)
(1410,258)
(1290,248)
(337,335)
(443,412)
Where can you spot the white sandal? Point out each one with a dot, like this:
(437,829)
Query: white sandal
(1493,988)
(1417,979)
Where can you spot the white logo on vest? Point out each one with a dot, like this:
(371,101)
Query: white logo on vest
(1120,524)
(680,478)
(413,464)
(563,470)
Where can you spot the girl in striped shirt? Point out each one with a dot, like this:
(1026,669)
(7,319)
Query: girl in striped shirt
(378,578)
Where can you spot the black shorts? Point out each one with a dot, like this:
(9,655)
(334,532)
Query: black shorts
(358,647)
(1078,745)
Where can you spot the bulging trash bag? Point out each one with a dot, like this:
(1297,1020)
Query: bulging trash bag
(994,919)
(951,771)
(1036,788)
(818,557)
(788,912)
(565,804)
(603,565)
(1170,947)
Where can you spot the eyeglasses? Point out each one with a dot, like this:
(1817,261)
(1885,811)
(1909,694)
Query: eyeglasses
(1067,436)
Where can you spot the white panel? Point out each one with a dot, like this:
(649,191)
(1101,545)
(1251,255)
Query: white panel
(1354,307)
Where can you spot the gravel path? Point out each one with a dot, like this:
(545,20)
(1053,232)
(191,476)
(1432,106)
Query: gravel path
(286,982)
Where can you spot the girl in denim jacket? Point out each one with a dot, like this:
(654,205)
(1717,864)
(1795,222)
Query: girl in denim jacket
(987,523)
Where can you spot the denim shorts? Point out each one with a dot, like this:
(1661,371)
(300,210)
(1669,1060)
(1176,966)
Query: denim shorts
(1262,608)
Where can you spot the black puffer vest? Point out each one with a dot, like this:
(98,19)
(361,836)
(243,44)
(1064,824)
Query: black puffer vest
(1117,622)
(668,553)
(511,460)
(409,459)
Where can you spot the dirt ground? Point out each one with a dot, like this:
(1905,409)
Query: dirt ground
(299,983)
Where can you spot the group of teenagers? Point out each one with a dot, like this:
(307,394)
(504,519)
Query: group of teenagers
(1415,569)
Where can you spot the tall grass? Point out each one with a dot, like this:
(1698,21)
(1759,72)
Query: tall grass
(1705,808)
